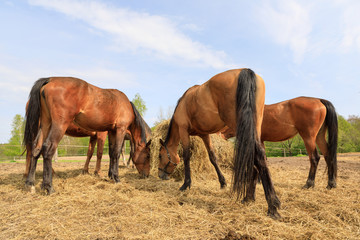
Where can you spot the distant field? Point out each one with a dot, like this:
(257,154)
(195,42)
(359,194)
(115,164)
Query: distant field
(89,207)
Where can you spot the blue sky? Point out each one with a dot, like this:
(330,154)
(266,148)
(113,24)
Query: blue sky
(160,48)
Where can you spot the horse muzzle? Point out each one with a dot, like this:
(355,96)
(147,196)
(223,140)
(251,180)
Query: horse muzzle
(163,175)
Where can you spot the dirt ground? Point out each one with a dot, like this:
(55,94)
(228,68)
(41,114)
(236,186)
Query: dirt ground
(90,207)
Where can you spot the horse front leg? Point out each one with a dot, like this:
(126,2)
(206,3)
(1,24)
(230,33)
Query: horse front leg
(117,140)
(186,156)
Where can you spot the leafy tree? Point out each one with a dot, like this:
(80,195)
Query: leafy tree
(348,137)
(139,104)
(14,147)
(355,122)
(18,127)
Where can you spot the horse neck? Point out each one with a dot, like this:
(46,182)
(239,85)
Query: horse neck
(174,139)
(136,134)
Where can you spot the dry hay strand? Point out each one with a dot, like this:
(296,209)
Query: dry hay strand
(199,159)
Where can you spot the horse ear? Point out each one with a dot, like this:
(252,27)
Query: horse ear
(162,142)
(148,143)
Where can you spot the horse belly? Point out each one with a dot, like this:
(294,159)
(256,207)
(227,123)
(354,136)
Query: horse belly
(277,132)
(95,121)
(207,122)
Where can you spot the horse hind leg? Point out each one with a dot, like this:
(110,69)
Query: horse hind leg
(28,160)
(207,141)
(32,156)
(99,154)
(48,150)
(90,152)
(314,160)
(250,190)
(132,149)
(323,146)
(270,194)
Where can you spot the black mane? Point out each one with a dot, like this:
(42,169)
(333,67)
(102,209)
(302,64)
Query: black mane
(172,118)
(140,122)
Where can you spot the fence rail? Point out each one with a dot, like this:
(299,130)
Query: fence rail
(14,152)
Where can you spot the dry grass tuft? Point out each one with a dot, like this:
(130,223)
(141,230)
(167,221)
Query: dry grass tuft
(199,160)
(89,207)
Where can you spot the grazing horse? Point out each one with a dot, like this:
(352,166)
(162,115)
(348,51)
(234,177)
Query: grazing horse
(311,118)
(56,102)
(233,98)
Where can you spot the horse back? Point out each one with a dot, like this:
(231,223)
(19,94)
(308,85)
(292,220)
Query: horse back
(92,108)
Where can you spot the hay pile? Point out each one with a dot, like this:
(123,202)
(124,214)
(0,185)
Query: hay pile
(199,160)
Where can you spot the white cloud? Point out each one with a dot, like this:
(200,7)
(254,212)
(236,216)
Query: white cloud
(136,31)
(288,23)
(15,84)
(351,26)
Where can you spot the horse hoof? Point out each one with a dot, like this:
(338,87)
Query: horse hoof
(248,200)
(274,215)
(30,188)
(47,188)
(330,186)
(185,186)
(50,191)
(85,171)
(308,185)
(223,185)
(116,179)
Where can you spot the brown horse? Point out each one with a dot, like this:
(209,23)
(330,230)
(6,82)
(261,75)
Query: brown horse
(233,98)
(56,102)
(310,118)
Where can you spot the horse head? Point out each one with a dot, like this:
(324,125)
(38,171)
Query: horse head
(141,159)
(168,161)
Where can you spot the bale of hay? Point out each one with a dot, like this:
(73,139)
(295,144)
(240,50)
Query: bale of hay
(199,160)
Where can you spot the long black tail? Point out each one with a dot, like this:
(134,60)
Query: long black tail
(33,112)
(332,127)
(247,146)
